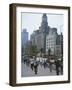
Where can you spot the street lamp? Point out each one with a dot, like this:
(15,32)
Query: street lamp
(61,42)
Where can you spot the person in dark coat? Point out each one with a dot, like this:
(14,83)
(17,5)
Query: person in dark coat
(35,68)
(57,66)
(50,65)
(32,65)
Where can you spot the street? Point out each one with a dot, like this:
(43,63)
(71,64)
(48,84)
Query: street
(40,70)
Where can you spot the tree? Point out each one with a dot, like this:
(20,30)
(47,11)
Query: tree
(49,52)
(33,50)
(22,50)
(42,51)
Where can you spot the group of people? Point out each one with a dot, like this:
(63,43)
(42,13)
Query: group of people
(34,65)
(58,67)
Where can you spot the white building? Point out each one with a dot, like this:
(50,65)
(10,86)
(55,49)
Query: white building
(51,40)
(54,42)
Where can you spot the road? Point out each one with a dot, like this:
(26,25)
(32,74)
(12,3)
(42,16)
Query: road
(27,71)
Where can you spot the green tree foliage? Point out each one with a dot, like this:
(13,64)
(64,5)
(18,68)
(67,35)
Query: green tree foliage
(22,50)
(49,52)
(33,50)
(42,51)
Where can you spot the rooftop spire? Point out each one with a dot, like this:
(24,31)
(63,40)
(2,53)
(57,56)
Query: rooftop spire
(44,23)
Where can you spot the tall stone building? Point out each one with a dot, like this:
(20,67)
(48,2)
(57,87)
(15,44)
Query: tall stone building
(46,38)
(59,45)
(51,40)
(54,42)
(38,37)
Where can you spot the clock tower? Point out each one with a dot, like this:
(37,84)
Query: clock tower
(44,23)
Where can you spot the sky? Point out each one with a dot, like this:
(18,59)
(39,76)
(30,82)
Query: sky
(32,21)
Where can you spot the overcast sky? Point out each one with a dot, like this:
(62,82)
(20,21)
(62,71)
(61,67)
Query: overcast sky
(32,21)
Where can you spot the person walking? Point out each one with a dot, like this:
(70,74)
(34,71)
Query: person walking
(57,67)
(35,67)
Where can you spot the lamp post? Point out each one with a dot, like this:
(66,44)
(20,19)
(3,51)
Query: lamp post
(61,42)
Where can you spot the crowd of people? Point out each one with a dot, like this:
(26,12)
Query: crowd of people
(34,64)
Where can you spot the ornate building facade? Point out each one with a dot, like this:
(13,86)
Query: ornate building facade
(38,37)
(54,42)
(47,38)
(51,40)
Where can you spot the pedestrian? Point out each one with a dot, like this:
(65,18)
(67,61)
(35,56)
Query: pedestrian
(44,64)
(50,66)
(61,69)
(57,66)
(35,68)
(32,65)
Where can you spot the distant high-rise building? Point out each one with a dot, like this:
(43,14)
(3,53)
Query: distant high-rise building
(24,37)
